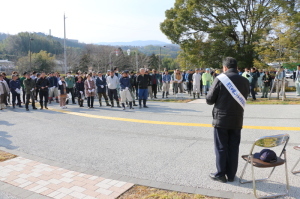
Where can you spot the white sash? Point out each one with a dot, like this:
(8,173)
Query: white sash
(232,89)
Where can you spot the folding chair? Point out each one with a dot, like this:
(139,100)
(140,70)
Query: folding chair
(267,142)
(293,170)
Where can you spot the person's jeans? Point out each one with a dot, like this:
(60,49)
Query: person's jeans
(227,142)
(143,94)
(206,87)
(14,97)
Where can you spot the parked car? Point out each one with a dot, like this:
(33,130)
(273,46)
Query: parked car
(289,75)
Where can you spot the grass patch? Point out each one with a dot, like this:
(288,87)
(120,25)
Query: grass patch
(287,101)
(173,100)
(142,192)
(6,156)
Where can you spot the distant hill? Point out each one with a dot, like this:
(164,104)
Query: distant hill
(135,43)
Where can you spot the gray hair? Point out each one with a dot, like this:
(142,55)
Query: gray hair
(230,62)
(142,69)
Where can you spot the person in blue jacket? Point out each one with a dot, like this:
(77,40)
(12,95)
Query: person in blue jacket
(125,84)
(15,89)
(101,89)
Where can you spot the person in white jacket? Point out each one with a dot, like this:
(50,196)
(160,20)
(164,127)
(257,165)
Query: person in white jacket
(112,84)
(197,83)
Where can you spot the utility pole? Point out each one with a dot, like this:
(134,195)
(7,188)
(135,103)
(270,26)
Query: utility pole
(65,50)
(137,61)
(30,39)
(159,64)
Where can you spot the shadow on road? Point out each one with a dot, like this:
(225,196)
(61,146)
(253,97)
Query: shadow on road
(6,123)
(5,142)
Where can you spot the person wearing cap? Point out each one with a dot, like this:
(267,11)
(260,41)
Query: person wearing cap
(228,116)
(15,89)
(143,82)
(196,83)
(112,85)
(53,87)
(101,89)
(22,86)
(90,90)
(166,79)
(29,87)
(207,80)
(43,85)
(4,91)
(125,85)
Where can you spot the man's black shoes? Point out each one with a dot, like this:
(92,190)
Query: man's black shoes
(216,178)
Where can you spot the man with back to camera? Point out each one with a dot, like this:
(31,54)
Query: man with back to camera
(228,113)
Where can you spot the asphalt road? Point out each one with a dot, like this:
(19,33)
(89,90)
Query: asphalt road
(181,155)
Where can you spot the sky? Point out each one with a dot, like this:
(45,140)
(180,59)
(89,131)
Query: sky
(88,21)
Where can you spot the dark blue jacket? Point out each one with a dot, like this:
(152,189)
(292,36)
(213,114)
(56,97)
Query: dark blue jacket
(100,83)
(183,77)
(53,81)
(13,85)
(125,82)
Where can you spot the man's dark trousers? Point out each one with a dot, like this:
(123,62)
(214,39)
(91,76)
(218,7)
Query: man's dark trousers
(44,95)
(113,94)
(227,142)
(28,97)
(154,89)
(252,92)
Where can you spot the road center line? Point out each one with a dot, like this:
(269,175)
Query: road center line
(277,128)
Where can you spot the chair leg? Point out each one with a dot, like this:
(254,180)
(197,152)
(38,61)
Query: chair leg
(286,174)
(243,172)
(293,169)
